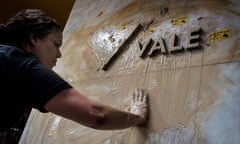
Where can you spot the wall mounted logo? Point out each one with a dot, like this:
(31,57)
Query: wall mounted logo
(151,46)
(154,47)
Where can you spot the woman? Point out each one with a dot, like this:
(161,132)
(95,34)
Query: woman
(29,48)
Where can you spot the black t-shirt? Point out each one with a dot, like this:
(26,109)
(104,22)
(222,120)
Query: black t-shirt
(23,82)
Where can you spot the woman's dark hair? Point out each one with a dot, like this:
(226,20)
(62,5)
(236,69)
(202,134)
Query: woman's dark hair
(30,21)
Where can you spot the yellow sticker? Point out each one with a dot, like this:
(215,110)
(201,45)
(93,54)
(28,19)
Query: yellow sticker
(220,35)
(123,26)
(151,30)
(179,21)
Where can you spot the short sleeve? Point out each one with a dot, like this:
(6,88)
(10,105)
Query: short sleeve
(26,81)
(42,83)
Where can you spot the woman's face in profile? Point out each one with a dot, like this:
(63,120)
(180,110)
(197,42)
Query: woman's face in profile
(47,49)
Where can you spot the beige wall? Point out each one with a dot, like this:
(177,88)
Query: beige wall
(194,95)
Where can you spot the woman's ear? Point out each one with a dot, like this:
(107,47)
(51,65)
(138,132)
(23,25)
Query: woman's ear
(32,39)
(30,43)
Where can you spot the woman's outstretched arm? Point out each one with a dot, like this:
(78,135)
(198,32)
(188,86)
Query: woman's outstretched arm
(73,105)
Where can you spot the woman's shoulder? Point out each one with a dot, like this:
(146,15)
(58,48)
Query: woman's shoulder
(11,51)
(8,47)
(12,55)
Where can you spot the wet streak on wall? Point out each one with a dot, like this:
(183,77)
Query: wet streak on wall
(194,93)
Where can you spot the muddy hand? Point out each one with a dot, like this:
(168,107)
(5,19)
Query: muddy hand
(139,105)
